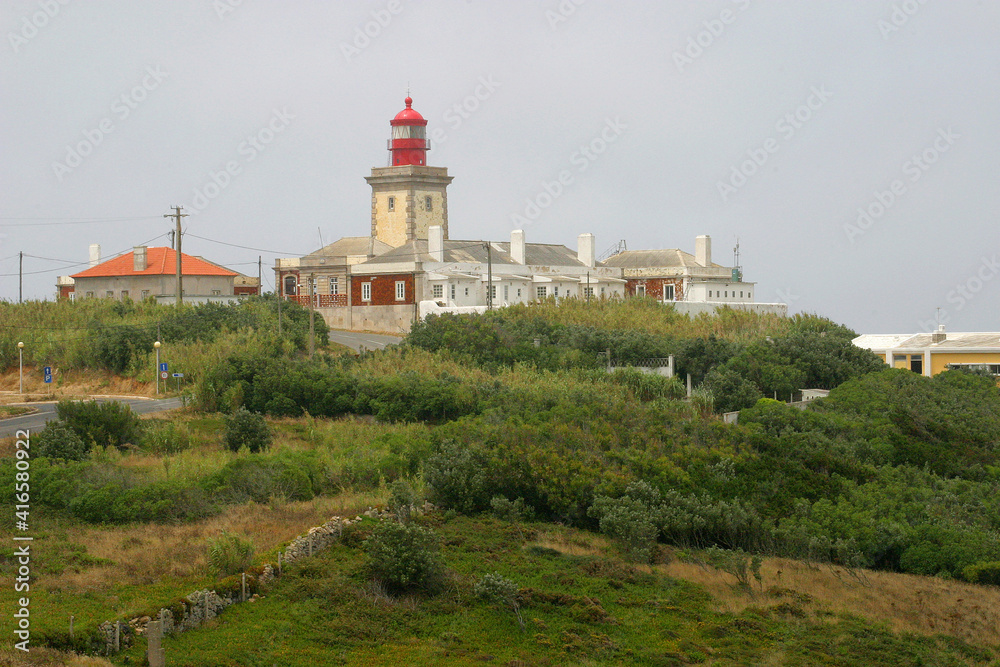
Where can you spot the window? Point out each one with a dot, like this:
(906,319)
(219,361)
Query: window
(392,203)
(453,292)
(640,290)
(334,285)
(741,294)
(602,290)
(145,293)
(541,292)
(506,292)
(366,291)
(749,295)
(290,285)
(400,290)
(518,292)
(428,203)
(588,292)
(110,293)
(124,294)
(493,292)
(466,291)
(917,363)
(438,291)
(90,295)
(668,292)
(727,294)
(555,291)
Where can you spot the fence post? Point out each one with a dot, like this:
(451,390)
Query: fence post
(243,597)
(118,637)
(154,650)
(279,563)
(71,627)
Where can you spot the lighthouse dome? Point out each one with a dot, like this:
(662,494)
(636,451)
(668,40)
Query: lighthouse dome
(409,115)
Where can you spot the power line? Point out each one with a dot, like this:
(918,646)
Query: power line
(67,221)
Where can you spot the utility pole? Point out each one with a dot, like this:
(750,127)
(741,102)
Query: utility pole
(177,215)
(312,317)
(20,275)
(489,276)
(260,283)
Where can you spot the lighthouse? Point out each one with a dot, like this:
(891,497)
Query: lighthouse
(408,197)
(409,137)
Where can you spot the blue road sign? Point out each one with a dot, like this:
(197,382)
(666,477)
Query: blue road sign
(163,367)
(178,375)
(48,374)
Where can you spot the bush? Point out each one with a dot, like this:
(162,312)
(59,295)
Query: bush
(108,424)
(59,441)
(500,591)
(983,573)
(404,556)
(632,519)
(247,429)
(163,437)
(230,554)
(402,499)
(513,511)
(731,390)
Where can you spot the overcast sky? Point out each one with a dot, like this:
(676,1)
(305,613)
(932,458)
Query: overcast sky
(852,147)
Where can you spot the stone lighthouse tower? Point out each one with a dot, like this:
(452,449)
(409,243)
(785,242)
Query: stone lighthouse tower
(408,196)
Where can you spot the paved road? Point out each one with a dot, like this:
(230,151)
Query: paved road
(47,412)
(369,341)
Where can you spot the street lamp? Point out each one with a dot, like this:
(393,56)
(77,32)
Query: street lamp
(156,346)
(20,366)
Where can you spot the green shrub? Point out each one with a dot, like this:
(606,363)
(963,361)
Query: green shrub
(498,590)
(731,390)
(230,554)
(163,437)
(404,556)
(59,441)
(632,519)
(108,424)
(247,429)
(402,499)
(983,573)
(513,511)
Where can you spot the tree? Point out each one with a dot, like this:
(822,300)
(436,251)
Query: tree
(245,428)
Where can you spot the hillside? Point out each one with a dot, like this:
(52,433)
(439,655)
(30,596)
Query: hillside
(626,524)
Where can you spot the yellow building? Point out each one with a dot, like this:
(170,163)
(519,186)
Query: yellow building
(931,353)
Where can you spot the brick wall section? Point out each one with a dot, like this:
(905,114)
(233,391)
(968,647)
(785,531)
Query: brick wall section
(654,287)
(383,289)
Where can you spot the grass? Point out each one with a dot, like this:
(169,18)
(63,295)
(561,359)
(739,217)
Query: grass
(581,605)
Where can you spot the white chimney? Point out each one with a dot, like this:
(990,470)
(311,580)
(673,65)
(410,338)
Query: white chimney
(517,245)
(435,242)
(585,250)
(703,250)
(139,258)
(95,254)
(939,336)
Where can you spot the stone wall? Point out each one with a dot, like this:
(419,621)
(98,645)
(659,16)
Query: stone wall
(201,606)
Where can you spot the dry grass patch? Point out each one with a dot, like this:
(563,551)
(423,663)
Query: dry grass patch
(572,543)
(68,384)
(907,603)
(147,553)
(45,657)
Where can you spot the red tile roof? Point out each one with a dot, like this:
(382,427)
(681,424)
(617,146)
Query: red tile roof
(159,261)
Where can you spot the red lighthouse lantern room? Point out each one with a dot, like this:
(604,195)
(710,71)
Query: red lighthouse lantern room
(409,137)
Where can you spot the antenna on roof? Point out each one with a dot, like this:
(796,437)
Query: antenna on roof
(613,250)
(737,269)
(320,232)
